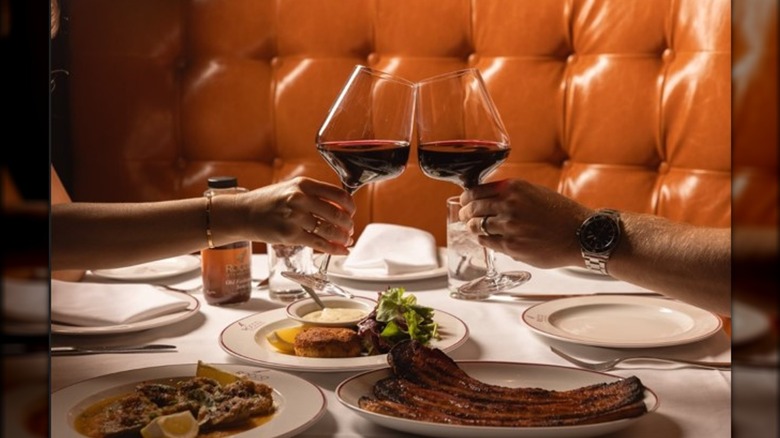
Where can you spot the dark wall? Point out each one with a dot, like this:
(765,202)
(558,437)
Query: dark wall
(24,134)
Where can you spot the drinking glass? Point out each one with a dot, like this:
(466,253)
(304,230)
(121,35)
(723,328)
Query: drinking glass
(461,139)
(365,138)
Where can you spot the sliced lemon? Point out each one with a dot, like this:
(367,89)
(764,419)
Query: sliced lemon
(178,425)
(284,338)
(222,376)
(288,334)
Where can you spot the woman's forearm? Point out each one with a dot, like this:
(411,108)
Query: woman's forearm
(106,235)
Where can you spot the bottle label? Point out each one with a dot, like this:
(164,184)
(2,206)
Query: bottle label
(227,276)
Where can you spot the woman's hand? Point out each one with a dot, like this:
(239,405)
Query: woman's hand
(299,211)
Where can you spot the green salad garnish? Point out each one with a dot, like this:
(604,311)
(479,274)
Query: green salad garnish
(397,317)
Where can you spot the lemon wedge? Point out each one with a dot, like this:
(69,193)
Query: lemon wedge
(222,376)
(284,338)
(178,425)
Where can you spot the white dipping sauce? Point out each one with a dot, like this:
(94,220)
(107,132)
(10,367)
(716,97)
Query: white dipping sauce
(335,314)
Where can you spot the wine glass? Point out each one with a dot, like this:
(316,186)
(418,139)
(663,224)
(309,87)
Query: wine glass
(461,139)
(365,138)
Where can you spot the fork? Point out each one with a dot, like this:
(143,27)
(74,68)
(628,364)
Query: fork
(612,363)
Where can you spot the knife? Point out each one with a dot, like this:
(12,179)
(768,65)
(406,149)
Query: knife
(544,296)
(149,348)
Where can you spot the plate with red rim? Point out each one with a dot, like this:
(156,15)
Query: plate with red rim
(509,374)
(245,339)
(154,270)
(622,321)
(299,404)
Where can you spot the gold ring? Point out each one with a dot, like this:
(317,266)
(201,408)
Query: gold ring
(316,227)
(483,226)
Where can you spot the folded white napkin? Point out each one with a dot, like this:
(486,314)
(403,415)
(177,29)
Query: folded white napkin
(387,249)
(102,304)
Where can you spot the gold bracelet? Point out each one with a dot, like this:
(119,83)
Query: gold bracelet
(209,238)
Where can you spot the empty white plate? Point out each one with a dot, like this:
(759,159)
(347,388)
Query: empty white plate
(622,321)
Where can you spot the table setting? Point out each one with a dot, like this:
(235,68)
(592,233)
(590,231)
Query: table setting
(456,346)
(491,337)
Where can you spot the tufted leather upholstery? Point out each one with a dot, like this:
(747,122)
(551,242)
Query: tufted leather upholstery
(754,112)
(620,103)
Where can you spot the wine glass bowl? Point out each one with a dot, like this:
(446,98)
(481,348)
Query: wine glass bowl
(365,138)
(359,162)
(461,139)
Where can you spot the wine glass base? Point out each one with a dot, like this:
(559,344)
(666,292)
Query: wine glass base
(484,287)
(317,283)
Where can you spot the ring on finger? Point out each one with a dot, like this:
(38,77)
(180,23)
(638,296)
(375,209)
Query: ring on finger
(316,227)
(483,226)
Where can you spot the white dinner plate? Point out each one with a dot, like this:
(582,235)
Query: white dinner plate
(747,323)
(299,404)
(336,269)
(509,374)
(246,340)
(622,321)
(155,270)
(170,318)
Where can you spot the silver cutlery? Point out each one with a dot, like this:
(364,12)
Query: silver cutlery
(333,288)
(148,348)
(314,296)
(612,363)
(543,296)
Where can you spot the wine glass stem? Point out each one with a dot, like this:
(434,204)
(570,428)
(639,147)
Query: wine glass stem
(323,270)
(490,263)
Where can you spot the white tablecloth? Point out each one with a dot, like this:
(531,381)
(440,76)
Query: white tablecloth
(693,402)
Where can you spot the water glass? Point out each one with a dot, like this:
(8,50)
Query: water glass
(281,258)
(465,256)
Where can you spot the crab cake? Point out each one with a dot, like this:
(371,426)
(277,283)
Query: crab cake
(327,342)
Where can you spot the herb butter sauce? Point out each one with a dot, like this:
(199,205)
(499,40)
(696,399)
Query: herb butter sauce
(335,314)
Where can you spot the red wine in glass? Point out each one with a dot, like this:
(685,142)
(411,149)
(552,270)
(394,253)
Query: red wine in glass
(359,162)
(463,162)
(365,138)
(461,139)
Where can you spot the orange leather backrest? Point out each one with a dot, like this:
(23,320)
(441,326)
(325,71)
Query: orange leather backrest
(755,113)
(616,103)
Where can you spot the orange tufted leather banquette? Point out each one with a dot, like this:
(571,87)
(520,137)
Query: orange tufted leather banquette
(619,103)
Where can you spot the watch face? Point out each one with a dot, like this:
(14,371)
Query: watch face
(599,234)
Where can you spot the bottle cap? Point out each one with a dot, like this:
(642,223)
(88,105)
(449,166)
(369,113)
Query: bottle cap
(222,182)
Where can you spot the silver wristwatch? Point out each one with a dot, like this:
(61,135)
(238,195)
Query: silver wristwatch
(599,235)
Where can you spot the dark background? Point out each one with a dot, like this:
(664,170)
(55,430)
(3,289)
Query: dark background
(24,77)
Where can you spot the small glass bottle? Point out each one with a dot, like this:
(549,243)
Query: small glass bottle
(226,269)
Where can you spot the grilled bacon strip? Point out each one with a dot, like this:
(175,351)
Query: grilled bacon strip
(427,385)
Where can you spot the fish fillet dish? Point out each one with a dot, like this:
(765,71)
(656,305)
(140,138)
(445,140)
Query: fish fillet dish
(427,385)
(215,406)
